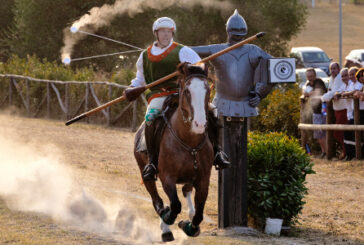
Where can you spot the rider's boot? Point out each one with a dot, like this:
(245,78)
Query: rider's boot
(150,170)
(221,160)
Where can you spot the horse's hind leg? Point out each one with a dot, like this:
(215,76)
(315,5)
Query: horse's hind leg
(187,193)
(192,228)
(151,186)
(167,235)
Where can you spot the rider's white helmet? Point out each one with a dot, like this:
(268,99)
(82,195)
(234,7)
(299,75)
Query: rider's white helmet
(164,22)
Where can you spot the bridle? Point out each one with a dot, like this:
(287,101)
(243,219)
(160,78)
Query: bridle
(185,146)
(187,81)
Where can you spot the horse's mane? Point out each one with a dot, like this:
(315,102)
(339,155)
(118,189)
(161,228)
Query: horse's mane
(187,70)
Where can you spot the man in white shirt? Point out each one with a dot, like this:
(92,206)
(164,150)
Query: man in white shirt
(336,86)
(159,60)
(348,89)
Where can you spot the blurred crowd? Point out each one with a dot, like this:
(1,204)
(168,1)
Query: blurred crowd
(344,85)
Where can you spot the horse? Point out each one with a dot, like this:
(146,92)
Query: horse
(185,154)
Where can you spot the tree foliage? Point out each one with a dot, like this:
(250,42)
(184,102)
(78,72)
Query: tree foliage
(38,27)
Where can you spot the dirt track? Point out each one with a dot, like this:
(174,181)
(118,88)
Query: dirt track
(102,163)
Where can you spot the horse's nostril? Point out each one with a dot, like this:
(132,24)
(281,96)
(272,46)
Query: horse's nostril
(196,124)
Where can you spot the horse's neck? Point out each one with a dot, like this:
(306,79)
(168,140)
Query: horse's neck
(183,130)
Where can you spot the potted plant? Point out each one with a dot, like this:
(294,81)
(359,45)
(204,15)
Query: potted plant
(277,169)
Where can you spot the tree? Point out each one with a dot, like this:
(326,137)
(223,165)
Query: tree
(6,19)
(38,27)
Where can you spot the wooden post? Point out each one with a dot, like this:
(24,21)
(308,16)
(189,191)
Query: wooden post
(357,133)
(233,191)
(48,100)
(330,144)
(86,100)
(67,100)
(27,96)
(134,125)
(11,91)
(303,132)
(108,110)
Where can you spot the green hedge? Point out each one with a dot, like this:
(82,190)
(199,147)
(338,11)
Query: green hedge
(280,111)
(276,176)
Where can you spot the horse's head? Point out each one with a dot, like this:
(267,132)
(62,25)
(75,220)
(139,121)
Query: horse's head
(194,96)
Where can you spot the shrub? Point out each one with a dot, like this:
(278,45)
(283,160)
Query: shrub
(280,111)
(43,69)
(276,176)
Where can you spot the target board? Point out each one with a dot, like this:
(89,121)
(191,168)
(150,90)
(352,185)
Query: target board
(282,70)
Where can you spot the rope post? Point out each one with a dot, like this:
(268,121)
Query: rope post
(67,100)
(11,91)
(27,97)
(108,110)
(86,100)
(134,123)
(48,100)
(330,144)
(358,152)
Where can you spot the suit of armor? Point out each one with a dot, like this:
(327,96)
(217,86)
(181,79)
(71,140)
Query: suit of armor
(242,81)
(238,72)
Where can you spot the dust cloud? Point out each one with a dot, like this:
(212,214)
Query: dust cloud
(102,16)
(33,178)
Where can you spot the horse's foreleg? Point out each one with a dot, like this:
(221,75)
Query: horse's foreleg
(169,215)
(193,228)
(187,193)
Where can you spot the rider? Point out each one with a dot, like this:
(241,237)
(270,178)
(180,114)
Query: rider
(159,60)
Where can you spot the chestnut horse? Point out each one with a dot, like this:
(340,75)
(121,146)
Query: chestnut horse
(185,155)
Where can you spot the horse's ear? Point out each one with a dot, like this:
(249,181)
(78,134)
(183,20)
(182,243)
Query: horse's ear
(183,68)
(206,70)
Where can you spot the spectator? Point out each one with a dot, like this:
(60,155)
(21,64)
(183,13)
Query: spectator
(312,91)
(360,94)
(348,90)
(336,86)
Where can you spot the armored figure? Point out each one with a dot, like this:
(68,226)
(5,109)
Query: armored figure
(241,73)
(242,81)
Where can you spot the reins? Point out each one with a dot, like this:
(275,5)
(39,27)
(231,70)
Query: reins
(188,148)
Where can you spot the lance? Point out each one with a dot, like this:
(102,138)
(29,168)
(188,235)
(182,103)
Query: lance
(163,79)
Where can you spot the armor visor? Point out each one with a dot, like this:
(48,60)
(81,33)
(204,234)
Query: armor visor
(236,25)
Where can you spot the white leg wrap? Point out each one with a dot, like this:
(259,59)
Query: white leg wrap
(191,208)
(164,227)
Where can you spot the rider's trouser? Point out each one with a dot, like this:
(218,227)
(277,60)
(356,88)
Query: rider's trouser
(154,109)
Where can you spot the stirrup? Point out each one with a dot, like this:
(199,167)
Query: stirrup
(149,172)
(221,161)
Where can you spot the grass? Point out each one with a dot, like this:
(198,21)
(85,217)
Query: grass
(322,29)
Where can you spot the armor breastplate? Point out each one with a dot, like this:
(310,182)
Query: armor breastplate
(236,72)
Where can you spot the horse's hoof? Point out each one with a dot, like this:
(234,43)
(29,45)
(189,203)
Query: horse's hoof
(167,237)
(187,227)
(168,217)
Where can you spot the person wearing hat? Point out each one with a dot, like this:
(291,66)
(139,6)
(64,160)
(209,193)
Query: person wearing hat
(161,59)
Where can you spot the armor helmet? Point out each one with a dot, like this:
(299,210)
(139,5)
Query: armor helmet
(164,22)
(236,25)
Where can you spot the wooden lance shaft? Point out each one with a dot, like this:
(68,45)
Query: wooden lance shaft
(163,79)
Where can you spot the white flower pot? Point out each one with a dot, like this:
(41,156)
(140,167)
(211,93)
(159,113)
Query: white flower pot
(273,226)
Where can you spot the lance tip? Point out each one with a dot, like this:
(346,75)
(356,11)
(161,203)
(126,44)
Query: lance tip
(260,34)
(74,29)
(67,60)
